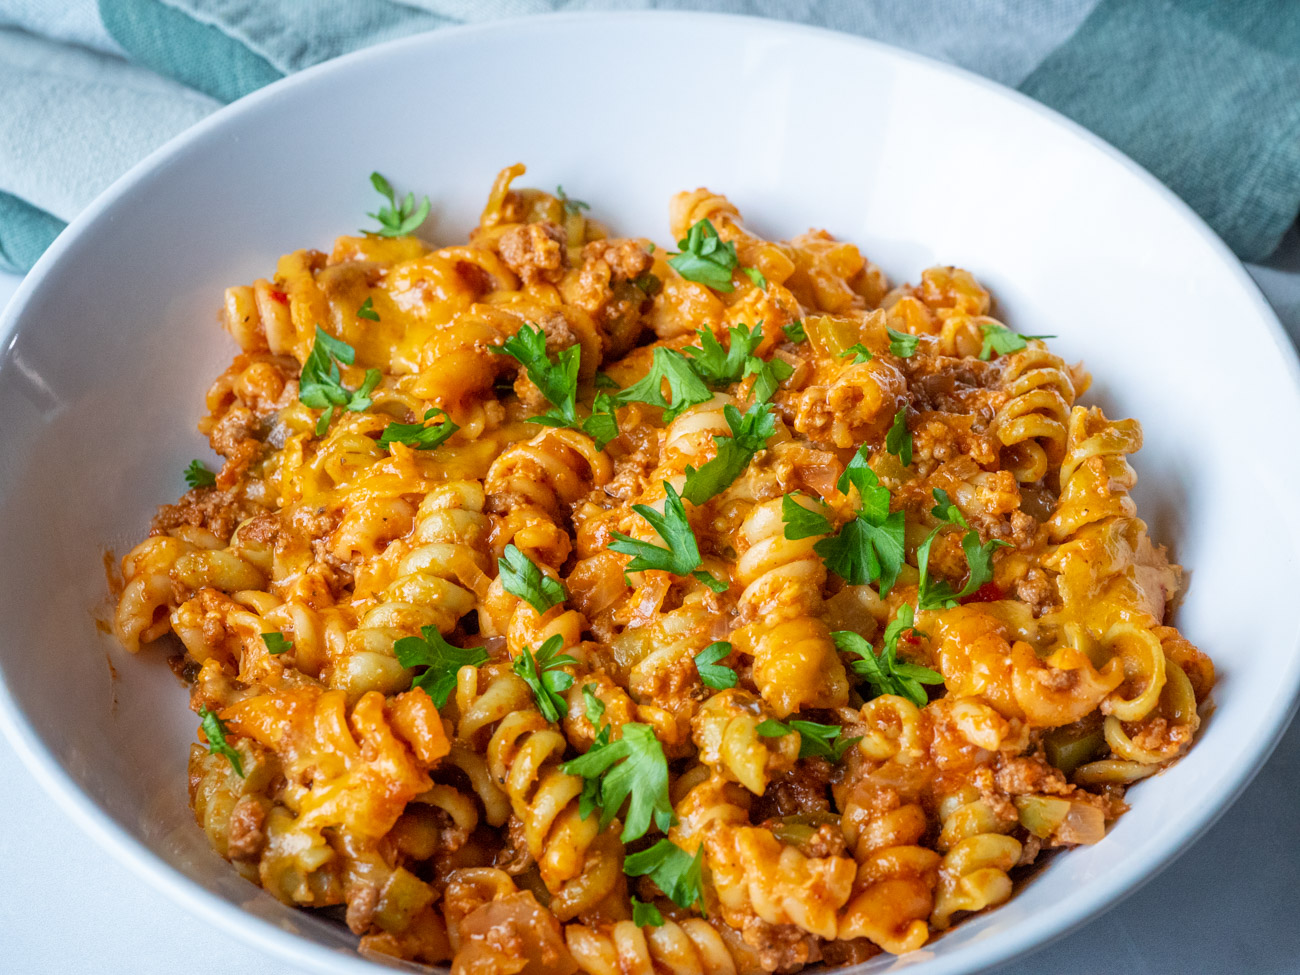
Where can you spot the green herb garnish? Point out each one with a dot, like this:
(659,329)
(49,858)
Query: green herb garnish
(1002,340)
(396,219)
(749,434)
(541,673)
(196,475)
(521,577)
(215,730)
(713,674)
(418,435)
(440,660)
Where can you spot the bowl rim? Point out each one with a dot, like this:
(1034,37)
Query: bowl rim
(1063,918)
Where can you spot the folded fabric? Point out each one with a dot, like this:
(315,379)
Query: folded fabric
(1205,95)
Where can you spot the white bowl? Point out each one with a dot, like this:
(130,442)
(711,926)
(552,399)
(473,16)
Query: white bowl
(111,342)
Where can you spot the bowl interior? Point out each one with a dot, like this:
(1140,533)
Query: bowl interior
(113,340)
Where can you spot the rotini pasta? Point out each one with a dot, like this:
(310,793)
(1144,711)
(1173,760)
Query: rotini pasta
(565,603)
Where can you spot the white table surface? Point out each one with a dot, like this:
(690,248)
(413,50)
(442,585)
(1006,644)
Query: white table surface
(1227,906)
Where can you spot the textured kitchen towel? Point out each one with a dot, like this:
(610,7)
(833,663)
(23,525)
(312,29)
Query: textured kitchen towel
(1204,94)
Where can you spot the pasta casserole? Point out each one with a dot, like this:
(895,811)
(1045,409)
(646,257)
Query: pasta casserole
(567,603)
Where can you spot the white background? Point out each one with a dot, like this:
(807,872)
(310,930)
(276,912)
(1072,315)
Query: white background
(1228,906)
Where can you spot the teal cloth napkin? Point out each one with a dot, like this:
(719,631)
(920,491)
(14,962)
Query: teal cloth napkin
(1205,94)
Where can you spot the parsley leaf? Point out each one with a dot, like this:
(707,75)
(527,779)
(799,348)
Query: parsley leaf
(931,594)
(873,498)
(440,660)
(755,275)
(795,332)
(859,352)
(215,729)
(541,674)
(604,380)
(979,559)
(594,706)
(602,425)
(367,311)
(570,205)
(898,440)
(705,258)
(815,740)
(887,674)
(320,384)
(945,510)
(396,219)
(521,577)
(685,387)
(771,374)
(902,344)
(710,580)
(713,674)
(557,381)
(718,366)
(749,434)
(276,644)
(870,547)
(645,915)
(801,521)
(674,871)
(196,475)
(633,770)
(1002,340)
(418,435)
(682,555)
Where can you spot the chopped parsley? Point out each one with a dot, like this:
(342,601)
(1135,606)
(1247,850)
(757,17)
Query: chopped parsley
(645,915)
(705,257)
(196,475)
(902,344)
(276,644)
(749,434)
(859,352)
(771,374)
(681,556)
(396,219)
(593,706)
(521,577)
(215,730)
(886,674)
(632,770)
(570,205)
(898,440)
(603,380)
(440,660)
(932,594)
(418,435)
(815,740)
(713,674)
(795,332)
(718,366)
(367,311)
(541,673)
(686,388)
(1002,340)
(557,381)
(320,384)
(674,871)
(755,275)
(868,548)
(602,425)
(803,522)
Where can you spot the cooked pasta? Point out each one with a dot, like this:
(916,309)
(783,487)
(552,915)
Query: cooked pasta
(567,603)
